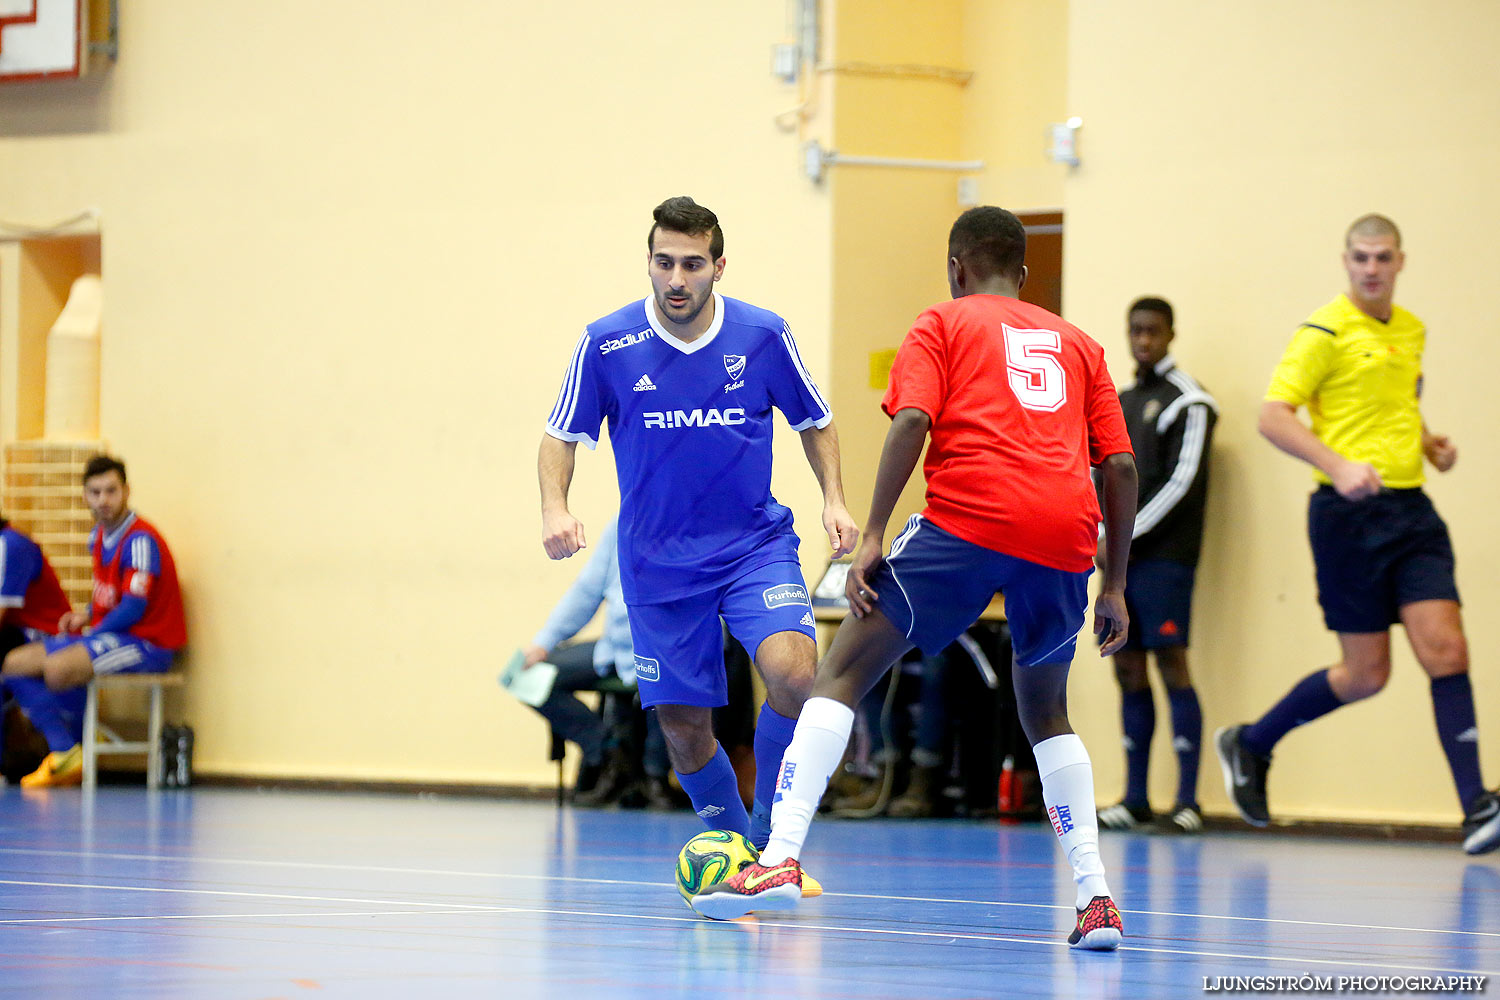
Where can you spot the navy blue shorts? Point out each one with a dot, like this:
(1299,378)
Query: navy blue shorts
(1159,597)
(1376,555)
(679,645)
(934,585)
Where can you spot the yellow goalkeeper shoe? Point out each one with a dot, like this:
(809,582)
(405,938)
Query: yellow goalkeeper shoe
(59,768)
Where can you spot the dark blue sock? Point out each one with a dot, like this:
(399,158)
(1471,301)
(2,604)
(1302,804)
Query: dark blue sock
(1453,706)
(715,793)
(1312,698)
(773,732)
(1187,738)
(1138,719)
(57,715)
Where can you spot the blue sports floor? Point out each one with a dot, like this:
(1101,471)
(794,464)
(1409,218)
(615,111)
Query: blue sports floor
(235,893)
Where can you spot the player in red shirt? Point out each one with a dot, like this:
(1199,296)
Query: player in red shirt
(134,623)
(32,602)
(31,599)
(1020,406)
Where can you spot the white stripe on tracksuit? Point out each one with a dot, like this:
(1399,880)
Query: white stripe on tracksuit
(140,555)
(567,396)
(1194,436)
(117,660)
(912,524)
(791,349)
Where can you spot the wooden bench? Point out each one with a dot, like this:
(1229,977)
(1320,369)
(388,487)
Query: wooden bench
(100,739)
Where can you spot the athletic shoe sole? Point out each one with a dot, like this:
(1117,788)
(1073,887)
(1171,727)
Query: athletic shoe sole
(1222,736)
(1099,939)
(729,905)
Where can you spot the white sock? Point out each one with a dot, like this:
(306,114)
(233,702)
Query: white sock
(1068,791)
(817,747)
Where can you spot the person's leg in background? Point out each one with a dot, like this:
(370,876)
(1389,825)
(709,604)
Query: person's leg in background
(1137,726)
(1167,609)
(929,755)
(889,717)
(572,719)
(1187,735)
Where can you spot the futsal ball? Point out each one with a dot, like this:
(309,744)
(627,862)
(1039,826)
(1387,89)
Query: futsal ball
(709,858)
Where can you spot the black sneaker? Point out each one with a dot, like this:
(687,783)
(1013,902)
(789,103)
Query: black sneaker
(1482,824)
(1244,776)
(1123,816)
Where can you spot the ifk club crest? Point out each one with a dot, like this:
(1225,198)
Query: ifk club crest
(734,364)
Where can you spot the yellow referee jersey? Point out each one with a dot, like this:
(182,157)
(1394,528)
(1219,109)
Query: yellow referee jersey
(1359,379)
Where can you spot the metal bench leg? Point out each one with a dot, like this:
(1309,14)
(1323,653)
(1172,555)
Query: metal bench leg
(153,734)
(90,739)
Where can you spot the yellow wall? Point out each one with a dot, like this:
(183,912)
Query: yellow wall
(893,64)
(1224,151)
(347,249)
(1019,52)
(890,224)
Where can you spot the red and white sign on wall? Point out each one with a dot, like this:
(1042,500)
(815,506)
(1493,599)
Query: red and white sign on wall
(43,39)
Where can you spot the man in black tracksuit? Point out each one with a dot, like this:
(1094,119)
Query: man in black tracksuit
(1171,422)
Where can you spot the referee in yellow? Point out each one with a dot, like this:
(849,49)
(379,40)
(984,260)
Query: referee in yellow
(1382,552)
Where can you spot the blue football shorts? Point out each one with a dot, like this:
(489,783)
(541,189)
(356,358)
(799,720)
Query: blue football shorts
(116,652)
(934,585)
(1377,555)
(1159,597)
(679,645)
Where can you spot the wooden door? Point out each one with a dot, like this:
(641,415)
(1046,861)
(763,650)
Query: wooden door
(1044,247)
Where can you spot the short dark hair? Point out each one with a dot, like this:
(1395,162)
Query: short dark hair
(684,215)
(1151,303)
(989,240)
(1372,224)
(101,464)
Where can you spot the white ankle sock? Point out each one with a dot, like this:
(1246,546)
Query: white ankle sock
(1068,790)
(817,747)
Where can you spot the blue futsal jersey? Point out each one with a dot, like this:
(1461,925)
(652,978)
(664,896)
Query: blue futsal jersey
(690,424)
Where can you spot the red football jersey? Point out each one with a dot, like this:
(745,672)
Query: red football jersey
(135,560)
(29,591)
(1022,406)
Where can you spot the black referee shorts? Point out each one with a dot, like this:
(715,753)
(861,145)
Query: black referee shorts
(1374,556)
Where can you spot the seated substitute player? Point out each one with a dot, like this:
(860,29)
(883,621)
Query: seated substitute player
(1171,423)
(583,666)
(1381,550)
(33,603)
(135,620)
(1019,404)
(687,380)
